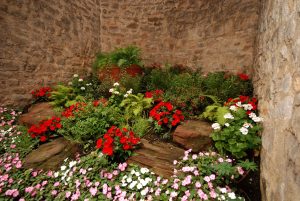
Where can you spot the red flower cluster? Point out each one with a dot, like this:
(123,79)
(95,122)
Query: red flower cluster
(157,95)
(45,129)
(103,101)
(243,76)
(43,92)
(69,112)
(165,114)
(243,100)
(116,141)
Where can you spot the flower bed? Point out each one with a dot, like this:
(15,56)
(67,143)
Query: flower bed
(107,120)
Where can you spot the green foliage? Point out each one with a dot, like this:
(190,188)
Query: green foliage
(134,105)
(157,79)
(90,123)
(225,86)
(24,143)
(215,113)
(64,96)
(140,126)
(236,134)
(122,57)
(129,82)
(248,165)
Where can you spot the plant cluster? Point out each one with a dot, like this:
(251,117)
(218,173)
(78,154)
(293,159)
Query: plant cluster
(237,126)
(121,57)
(46,129)
(41,94)
(117,143)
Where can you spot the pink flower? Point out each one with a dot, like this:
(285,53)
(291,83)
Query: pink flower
(56,184)
(29,189)
(19,164)
(198,184)
(240,170)
(93,191)
(34,174)
(44,183)
(12,146)
(157,192)
(212,177)
(54,192)
(207,179)
(82,171)
(97,184)
(104,190)
(50,173)
(213,194)
(122,166)
(68,194)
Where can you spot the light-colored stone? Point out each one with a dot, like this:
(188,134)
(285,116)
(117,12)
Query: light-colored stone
(277,86)
(193,134)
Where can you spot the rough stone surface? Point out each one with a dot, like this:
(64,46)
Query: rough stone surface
(50,156)
(277,87)
(36,113)
(158,157)
(214,34)
(44,42)
(193,135)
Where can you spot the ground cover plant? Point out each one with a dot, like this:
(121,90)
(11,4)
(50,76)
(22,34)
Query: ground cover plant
(108,117)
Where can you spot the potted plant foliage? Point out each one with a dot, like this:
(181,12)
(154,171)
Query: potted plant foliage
(127,60)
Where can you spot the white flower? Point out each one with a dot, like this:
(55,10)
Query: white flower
(70,83)
(126,95)
(144,170)
(252,114)
(129,91)
(247,107)
(129,179)
(239,104)
(62,168)
(233,108)
(132,171)
(244,130)
(257,119)
(116,84)
(139,186)
(56,174)
(231,195)
(137,174)
(132,185)
(223,190)
(75,75)
(216,126)
(111,90)
(144,191)
(247,125)
(80,80)
(228,116)
(227,124)
(116,92)
(72,163)
(82,88)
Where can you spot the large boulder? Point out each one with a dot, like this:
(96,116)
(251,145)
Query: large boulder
(36,113)
(193,134)
(51,155)
(157,156)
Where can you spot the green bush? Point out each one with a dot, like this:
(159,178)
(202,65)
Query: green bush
(122,57)
(90,123)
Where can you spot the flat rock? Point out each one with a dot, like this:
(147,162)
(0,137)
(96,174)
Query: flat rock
(193,134)
(158,157)
(51,155)
(37,113)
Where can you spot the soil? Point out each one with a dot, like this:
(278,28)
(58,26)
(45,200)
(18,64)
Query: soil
(249,187)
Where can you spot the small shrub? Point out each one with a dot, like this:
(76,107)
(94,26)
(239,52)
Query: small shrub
(140,126)
(237,126)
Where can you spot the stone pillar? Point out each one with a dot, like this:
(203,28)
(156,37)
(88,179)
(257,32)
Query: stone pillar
(277,84)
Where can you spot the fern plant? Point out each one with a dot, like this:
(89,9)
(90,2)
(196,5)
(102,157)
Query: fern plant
(64,96)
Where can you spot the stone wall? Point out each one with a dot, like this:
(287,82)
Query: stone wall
(45,41)
(277,84)
(214,34)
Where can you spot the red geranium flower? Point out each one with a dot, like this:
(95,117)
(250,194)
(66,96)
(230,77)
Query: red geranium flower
(243,76)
